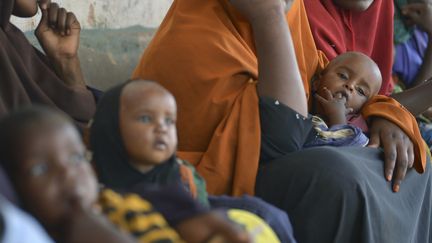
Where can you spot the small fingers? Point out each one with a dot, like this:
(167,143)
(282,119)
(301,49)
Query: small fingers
(327,94)
(320,99)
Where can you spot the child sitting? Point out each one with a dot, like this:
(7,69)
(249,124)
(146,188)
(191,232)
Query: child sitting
(341,90)
(43,155)
(134,139)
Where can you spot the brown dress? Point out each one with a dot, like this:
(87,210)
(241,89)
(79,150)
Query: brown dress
(26,76)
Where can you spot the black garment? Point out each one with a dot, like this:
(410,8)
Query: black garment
(340,195)
(283,130)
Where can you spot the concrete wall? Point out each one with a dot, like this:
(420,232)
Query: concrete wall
(109,13)
(111,42)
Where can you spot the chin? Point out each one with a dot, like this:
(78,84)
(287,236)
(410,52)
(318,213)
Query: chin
(25,10)
(354,5)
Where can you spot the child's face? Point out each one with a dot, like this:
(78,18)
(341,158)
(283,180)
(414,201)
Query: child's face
(53,173)
(354,76)
(148,115)
(25,8)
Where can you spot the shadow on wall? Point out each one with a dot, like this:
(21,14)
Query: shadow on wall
(108,56)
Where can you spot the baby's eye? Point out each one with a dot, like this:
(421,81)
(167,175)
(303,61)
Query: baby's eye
(169,121)
(146,118)
(361,91)
(39,169)
(343,76)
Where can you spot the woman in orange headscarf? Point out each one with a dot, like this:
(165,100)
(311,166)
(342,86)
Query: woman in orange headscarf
(204,53)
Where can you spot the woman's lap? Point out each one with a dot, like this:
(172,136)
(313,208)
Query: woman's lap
(340,195)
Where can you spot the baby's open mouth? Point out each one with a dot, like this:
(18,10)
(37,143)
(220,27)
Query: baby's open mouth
(160,144)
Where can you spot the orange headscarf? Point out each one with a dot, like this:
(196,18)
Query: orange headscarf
(204,54)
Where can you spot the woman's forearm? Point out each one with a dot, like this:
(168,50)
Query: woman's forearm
(417,99)
(69,70)
(279,75)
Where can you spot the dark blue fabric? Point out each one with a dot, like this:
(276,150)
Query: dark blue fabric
(276,218)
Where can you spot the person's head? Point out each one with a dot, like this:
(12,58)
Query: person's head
(354,5)
(352,74)
(25,8)
(133,135)
(147,121)
(42,152)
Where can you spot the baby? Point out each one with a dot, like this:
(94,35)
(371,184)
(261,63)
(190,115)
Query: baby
(134,140)
(42,153)
(340,91)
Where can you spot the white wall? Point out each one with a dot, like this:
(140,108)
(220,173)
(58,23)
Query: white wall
(109,13)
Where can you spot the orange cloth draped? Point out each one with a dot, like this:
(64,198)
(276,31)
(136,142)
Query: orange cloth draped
(390,109)
(204,54)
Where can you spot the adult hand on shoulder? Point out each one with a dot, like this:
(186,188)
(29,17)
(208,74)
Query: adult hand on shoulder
(419,14)
(398,149)
(58,31)
(255,10)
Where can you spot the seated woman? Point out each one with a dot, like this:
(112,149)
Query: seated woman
(43,155)
(30,77)
(205,54)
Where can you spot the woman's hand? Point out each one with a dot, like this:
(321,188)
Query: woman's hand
(255,10)
(58,31)
(398,149)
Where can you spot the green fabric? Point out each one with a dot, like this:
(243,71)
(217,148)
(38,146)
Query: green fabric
(402,33)
(200,183)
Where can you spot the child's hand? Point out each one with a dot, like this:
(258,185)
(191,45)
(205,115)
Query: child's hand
(257,10)
(334,107)
(58,31)
(419,14)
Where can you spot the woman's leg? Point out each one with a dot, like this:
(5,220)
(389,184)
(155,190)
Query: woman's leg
(339,195)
